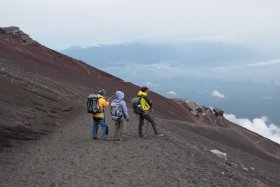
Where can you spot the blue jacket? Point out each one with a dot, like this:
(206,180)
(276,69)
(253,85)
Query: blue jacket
(119,96)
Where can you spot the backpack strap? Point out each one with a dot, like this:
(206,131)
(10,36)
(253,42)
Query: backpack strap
(119,102)
(148,101)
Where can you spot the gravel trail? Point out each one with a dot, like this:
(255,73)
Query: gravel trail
(68,157)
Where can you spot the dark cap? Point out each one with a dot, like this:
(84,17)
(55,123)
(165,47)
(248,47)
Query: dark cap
(101,91)
(144,88)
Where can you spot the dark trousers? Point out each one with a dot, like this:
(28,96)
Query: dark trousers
(150,119)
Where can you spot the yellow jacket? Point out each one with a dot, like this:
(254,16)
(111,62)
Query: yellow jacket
(102,103)
(146,104)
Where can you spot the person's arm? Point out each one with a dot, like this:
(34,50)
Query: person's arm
(124,110)
(104,103)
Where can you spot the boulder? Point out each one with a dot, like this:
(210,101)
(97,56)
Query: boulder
(219,154)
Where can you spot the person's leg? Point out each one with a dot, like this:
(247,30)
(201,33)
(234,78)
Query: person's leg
(107,130)
(141,123)
(97,129)
(94,129)
(104,126)
(150,119)
(122,129)
(117,128)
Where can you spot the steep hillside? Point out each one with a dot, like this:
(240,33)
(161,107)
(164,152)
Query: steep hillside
(59,82)
(43,90)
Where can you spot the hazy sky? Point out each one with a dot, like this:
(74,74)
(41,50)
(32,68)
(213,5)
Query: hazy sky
(63,23)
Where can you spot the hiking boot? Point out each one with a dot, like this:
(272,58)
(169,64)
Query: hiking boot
(141,135)
(123,139)
(158,135)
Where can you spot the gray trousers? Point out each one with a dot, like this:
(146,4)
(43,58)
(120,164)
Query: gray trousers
(150,119)
(120,129)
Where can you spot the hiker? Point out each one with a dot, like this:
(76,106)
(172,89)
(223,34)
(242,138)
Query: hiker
(99,118)
(146,105)
(119,115)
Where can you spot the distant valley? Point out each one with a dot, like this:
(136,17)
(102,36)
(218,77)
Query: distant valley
(246,77)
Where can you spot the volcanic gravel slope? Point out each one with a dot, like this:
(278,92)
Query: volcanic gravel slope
(68,157)
(45,132)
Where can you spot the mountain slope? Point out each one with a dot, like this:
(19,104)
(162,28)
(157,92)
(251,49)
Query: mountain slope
(43,91)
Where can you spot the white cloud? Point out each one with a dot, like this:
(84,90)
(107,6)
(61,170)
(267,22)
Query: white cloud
(166,69)
(265,63)
(220,68)
(262,72)
(258,125)
(171,93)
(216,93)
(256,64)
(150,84)
(267,97)
(216,38)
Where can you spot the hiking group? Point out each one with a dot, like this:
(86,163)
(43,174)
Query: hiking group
(141,104)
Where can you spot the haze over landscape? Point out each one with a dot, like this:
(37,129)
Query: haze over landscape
(227,75)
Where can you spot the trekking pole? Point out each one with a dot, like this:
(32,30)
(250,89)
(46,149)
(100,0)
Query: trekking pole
(150,111)
(147,128)
(126,128)
(110,98)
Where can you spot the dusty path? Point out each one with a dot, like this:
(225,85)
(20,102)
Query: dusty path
(68,157)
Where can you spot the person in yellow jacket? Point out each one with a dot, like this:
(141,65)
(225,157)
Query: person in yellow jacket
(146,105)
(99,118)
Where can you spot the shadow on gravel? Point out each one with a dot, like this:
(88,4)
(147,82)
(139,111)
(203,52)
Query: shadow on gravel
(8,134)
